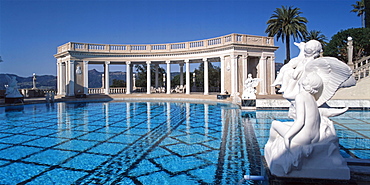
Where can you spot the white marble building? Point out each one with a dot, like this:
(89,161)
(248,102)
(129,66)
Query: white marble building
(238,54)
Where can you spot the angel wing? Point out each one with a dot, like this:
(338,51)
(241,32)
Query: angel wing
(255,82)
(333,73)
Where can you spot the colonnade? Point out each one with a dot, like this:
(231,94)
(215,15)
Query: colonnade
(73,74)
(238,54)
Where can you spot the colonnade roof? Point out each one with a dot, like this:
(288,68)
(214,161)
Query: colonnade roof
(241,40)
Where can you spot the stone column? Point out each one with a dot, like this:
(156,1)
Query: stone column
(181,74)
(222,65)
(59,76)
(245,69)
(234,74)
(350,52)
(148,78)
(71,78)
(86,77)
(66,79)
(187,76)
(128,77)
(63,78)
(156,75)
(106,74)
(263,76)
(272,74)
(168,77)
(206,86)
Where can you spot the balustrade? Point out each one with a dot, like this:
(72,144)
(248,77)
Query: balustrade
(159,47)
(362,68)
(117,90)
(112,90)
(207,43)
(178,46)
(113,47)
(228,38)
(196,44)
(79,46)
(96,47)
(239,38)
(214,41)
(133,47)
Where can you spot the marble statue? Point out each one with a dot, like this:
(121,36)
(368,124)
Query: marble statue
(308,147)
(286,72)
(249,91)
(34,81)
(12,88)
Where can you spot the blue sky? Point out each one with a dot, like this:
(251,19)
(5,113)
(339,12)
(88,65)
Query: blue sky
(30,31)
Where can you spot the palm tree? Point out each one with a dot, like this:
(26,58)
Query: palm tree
(316,35)
(284,23)
(359,8)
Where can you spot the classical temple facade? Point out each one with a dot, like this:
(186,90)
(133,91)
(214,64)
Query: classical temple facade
(238,54)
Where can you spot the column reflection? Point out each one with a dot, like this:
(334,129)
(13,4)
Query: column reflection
(168,116)
(206,108)
(187,105)
(148,110)
(128,115)
(106,114)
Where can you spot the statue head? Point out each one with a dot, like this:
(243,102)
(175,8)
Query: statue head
(312,48)
(312,83)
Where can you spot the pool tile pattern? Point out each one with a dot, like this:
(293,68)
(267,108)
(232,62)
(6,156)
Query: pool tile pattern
(146,143)
(116,143)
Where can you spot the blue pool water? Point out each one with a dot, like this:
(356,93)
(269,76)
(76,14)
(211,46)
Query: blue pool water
(146,143)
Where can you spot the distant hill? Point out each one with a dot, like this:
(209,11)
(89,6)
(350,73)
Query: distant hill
(95,77)
(42,81)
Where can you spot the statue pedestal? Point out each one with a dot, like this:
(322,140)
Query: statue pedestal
(318,161)
(248,104)
(14,100)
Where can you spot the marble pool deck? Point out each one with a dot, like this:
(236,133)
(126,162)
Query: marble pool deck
(360,168)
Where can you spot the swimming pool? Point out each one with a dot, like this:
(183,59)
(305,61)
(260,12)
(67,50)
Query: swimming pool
(145,142)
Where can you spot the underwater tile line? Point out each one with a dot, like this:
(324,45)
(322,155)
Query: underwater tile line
(112,172)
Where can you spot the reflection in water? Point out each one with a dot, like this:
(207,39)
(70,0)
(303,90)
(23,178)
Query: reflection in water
(206,106)
(168,116)
(128,115)
(148,110)
(235,137)
(15,108)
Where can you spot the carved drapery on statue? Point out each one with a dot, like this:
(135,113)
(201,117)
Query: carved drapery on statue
(250,85)
(12,88)
(308,147)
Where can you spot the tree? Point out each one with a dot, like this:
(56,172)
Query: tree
(337,47)
(118,83)
(316,35)
(286,22)
(214,75)
(359,8)
(141,75)
(367,13)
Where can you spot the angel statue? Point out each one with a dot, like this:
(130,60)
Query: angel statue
(308,147)
(249,91)
(12,88)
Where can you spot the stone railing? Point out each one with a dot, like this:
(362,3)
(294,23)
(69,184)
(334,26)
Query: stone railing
(30,93)
(170,47)
(96,91)
(117,90)
(112,90)
(361,68)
